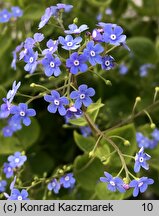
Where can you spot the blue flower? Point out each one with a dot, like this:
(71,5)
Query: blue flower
(155,134)
(12,93)
(7,131)
(113,183)
(142,141)
(85,131)
(123,69)
(38,37)
(52,47)
(23,53)
(68,180)
(5,109)
(73,29)
(46,17)
(108,63)
(8,170)
(140,185)
(22,113)
(82,96)
(16,12)
(139,137)
(65,7)
(153,144)
(56,103)
(29,43)
(144,69)
(3,184)
(4,16)
(96,35)
(72,113)
(11,128)
(99,17)
(68,43)
(6,106)
(76,63)
(31,59)
(16,160)
(51,65)
(92,52)
(108,11)
(140,160)
(54,185)
(113,34)
(17,195)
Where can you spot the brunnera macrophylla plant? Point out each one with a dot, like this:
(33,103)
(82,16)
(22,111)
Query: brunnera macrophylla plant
(105,164)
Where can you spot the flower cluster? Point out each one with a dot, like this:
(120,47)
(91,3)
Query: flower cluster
(123,69)
(53,11)
(113,183)
(14,161)
(140,160)
(15,193)
(146,142)
(140,185)
(58,103)
(89,51)
(143,70)
(6,16)
(20,113)
(66,181)
(3,185)
(117,184)
(108,11)
(68,56)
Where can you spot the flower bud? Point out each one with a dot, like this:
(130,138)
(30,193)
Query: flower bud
(108,82)
(60,171)
(32,85)
(33,183)
(35,178)
(157,89)
(152,125)
(126,186)
(138,99)
(126,143)
(75,21)
(91,154)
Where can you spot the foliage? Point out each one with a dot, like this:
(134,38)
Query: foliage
(124,103)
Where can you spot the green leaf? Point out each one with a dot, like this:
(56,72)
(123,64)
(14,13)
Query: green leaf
(127,132)
(86,144)
(92,111)
(141,48)
(88,171)
(9,145)
(79,121)
(104,194)
(45,166)
(5,43)
(82,194)
(145,129)
(29,135)
(95,106)
(2,93)
(21,140)
(33,12)
(149,8)
(102,151)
